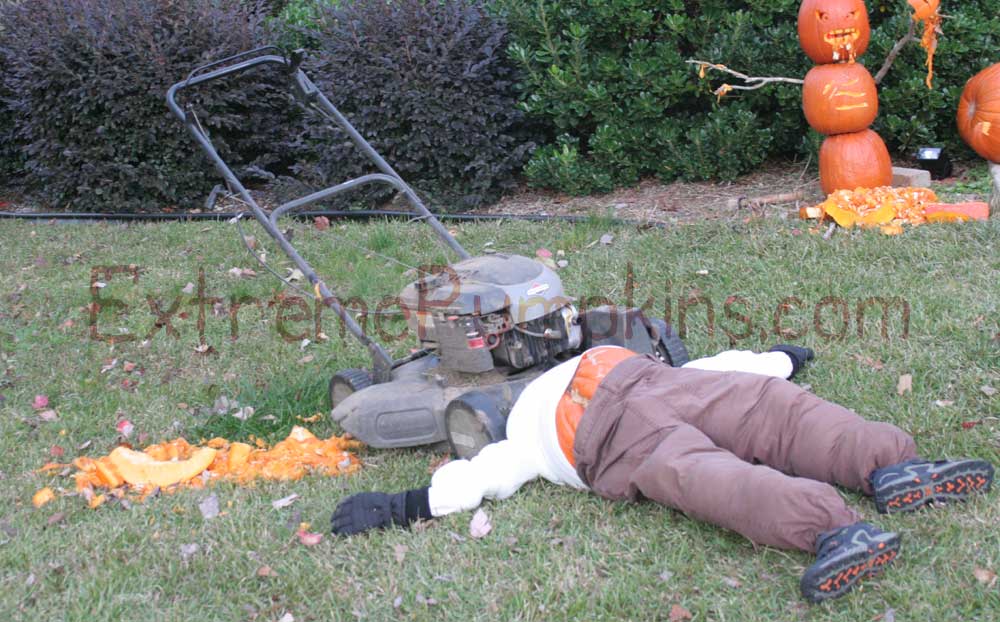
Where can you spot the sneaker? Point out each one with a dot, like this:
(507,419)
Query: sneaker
(911,484)
(845,556)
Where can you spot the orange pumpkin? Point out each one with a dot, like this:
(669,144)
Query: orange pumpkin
(973,210)
(858,160)
(833,30)
(924,9)
(979,113)
(839,98)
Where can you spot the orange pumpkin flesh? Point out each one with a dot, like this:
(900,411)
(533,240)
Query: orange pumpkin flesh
(839,98)
(833,30)
(857,160)
(974,210)
(176,464)
(979,113)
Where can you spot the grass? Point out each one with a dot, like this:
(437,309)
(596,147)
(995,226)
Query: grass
(554,554)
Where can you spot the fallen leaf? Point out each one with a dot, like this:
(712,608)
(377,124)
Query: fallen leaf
(702,272)
(875,364)
(905,384)
(209,507)
(188,289)
(204,349)
(56,451)
(944,403)
(988,391)
(666,575)
(731,582)
(266,571)
(400,551)
(480,524)
(308,538)
(678,613)
(295,275)
(56,518)
(188,551)
(985,576)
(307,359)
(109,365)
(606,239)
(288,617)
(244,413)
(968,425)
(48,415)
(128,367)
(457,537)
(322,223)
(305,344)
(562,263)
(41,402)
(397,602)
(125,428)
(424,600)
(543,252)
(42,497)
(284,502)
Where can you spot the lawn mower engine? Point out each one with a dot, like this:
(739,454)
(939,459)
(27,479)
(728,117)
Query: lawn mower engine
(488,326)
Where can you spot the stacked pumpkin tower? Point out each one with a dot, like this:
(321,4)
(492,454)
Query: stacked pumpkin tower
(839,96)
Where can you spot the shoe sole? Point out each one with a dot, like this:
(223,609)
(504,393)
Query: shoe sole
(838,575)
(955,481)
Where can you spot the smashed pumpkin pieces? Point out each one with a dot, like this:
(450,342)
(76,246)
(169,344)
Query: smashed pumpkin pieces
(890,208)
(177,464)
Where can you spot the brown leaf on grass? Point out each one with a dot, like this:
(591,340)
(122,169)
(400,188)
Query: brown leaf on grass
(322,223)
(128,367)
(48,415)
(56,518)
(480,524)
(985,576)
(988,391)
(204,349)
(400,551)
(875,364)
(678,613)
(905,384)
(266,571)
(56,451)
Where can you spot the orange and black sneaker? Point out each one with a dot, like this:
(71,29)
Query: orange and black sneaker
(845,556)
(911,484)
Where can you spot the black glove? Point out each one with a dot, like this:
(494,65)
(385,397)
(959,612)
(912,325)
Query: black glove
(799,356)
(377,510)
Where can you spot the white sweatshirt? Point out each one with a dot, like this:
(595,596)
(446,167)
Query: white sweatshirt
(531,448)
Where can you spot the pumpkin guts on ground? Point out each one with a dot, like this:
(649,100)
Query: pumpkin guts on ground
(177,464)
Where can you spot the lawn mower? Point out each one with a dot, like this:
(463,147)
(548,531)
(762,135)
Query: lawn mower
(487,325)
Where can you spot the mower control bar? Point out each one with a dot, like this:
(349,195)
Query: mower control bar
(306,91)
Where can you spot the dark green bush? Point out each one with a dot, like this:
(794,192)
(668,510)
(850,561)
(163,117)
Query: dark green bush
(430,86)
(609,79)
(86,82)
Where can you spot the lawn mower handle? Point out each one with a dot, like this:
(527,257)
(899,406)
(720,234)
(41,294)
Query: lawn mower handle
(308,94)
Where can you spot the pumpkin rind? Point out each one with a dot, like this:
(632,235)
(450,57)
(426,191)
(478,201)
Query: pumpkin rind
(857,160)
(833,30)
(979,113)
(839,98)
(138,468)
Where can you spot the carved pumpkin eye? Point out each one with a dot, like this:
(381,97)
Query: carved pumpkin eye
(821,15)
(853,15)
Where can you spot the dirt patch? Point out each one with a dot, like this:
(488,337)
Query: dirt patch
(654,201)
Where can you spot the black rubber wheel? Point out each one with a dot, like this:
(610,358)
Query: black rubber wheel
(473,421)
(667,345)
(346,382)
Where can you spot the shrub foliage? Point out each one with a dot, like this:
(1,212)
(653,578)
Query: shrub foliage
(430,86)
(86,81)
(609,79)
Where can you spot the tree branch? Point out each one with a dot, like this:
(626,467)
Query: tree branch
(909,37)
(752,83)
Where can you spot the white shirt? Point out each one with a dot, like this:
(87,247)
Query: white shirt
(531,448)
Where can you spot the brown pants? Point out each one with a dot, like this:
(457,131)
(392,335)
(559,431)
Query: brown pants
(750,453)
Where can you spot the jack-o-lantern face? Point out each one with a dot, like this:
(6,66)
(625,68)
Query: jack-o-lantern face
(833,30)
(839,98)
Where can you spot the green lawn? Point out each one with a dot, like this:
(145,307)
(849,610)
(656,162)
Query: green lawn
(554,554)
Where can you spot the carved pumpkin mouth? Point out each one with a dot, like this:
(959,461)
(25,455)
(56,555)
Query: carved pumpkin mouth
(842,37)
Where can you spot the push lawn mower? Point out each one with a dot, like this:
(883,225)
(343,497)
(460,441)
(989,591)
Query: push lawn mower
(487,325)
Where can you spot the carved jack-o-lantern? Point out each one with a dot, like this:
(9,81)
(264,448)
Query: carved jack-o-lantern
(839,98)
(979,113)
(833,30)
(850,161)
